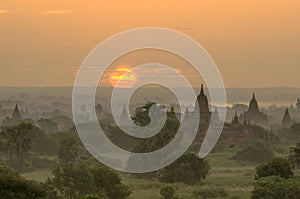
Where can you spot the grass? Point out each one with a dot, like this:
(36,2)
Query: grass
(235,178)
(38,175)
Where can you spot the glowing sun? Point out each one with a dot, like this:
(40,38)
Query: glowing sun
(122,77)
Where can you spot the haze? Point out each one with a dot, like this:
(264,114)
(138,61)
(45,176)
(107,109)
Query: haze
(254,43)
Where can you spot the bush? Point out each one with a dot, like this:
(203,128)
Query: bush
(14,186)
(211,193)
(168,192)
(274,187)
(276,167)
(188,169)
(72,182)
(90,196)
(256,152)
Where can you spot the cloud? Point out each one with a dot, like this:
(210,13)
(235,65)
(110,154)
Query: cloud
(56,12)
(3,11)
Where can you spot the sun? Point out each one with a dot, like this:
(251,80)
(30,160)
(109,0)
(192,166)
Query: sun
(122,77)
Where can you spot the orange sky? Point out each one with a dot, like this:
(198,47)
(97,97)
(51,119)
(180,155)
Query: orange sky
(254,43)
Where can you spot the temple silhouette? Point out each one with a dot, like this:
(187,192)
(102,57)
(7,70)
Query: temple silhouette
(254,115)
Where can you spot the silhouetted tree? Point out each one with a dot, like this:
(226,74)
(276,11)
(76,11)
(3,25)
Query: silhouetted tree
(72,182)
(168,192)
(14,186)
(188,169)
(274,187)
(18,139)
(280,167)
(68,152)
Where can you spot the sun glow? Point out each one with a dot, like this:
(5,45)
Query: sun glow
(122,77)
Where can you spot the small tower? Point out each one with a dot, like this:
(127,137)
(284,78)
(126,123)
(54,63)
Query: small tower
(298,104)
(16,116)
(235,120)
(124,116)
(286,120)
(172,110)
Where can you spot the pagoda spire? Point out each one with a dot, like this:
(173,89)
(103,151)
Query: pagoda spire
(16,116)
(202,90)
(286,121)
(124,115)
(253,97)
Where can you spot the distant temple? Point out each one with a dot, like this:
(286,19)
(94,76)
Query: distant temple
(124,116)
(205,114)
(235,120)
(254,115)
(16,117)
(298,104)
(286,120)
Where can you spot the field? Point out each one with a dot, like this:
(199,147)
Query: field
(236,178)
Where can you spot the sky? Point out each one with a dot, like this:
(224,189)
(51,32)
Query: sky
(254,43)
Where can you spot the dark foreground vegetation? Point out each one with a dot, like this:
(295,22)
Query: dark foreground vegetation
(36,164)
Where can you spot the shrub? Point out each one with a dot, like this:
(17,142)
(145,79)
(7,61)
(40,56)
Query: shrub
(211,193)
(72,182)
(276,167)
(168,192)
(274,187)
(14,186)
(188,169)
(90,196)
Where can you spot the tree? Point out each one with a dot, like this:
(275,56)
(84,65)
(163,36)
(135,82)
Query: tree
(68,152)
(159,140)
(141,115)
(71,182)
(274,187)
(18,139)
(167,133)
(294,156)
(188,169)
(276,167)
(13,186)
(90,196)
(168,192)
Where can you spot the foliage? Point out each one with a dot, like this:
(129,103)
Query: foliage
(211,193)
(168,192)
(18,139)
(68,152)
(188,169)
(274,187)
(255,152)
(46,144)
(90,196)
(161,139)
(72,182)
(276,167)
(13,186)
(294,156)
(141,117)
